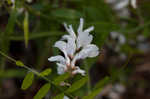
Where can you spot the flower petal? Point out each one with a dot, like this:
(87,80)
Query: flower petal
(84,39)
(133,3)
(57,58)
(89,29)
(71,46)
(61,68)
(88,51)
(121,4)
(78,70)
(66,97)
(70,30)
(122,39)
(80,28)
(62,46)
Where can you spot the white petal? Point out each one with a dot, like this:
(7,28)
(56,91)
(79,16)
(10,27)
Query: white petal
(78,70)
(62,46)
(114,35)
(70,30)
(84,39)
(80,28)
(66,97)
(88,51)
(57,58)
(71,46)
(122,39)
(89,29)
(121,4)
(29,1)
(13,1)
(133,3)
(61,68)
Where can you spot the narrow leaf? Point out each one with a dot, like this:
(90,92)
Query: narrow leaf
(43,91)
(59,96)
(66,13)
(46,72)
(98,87)
(102,82)
(92,94)
(26,29)
(61,78)
(78,84)
(27,81)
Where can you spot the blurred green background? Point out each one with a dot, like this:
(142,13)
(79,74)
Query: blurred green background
(29,29)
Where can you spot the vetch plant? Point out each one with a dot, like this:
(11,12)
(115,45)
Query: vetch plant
(77,46)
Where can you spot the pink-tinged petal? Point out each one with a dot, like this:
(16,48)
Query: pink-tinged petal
(78,71)
(61,68)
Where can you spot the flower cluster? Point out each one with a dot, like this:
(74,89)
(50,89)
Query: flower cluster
(74,47)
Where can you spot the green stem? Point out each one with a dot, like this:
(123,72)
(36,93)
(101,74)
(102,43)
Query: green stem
(36,73)
(87,71)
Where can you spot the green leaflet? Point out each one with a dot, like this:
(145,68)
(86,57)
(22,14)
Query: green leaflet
(92,94)
(59,96)
(78,84)
(46,72)
(26,29)
(43,91)
(98,87)
(61,78)
(102,82)
(19,63)
(27,81)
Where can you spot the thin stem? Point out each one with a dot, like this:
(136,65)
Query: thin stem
(9,58)
(36,73)
(88,83)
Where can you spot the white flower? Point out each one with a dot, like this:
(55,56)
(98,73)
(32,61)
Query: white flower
(66,97)
(74,47)
(121,38)
(84,38)
(133,4)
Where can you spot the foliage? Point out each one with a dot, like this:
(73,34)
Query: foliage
(39,25)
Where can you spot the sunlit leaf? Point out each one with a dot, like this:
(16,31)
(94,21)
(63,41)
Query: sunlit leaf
(27,81)
(78,84)
(92,94)
(46,72)
(42,92)
(59,96)
(19,63)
